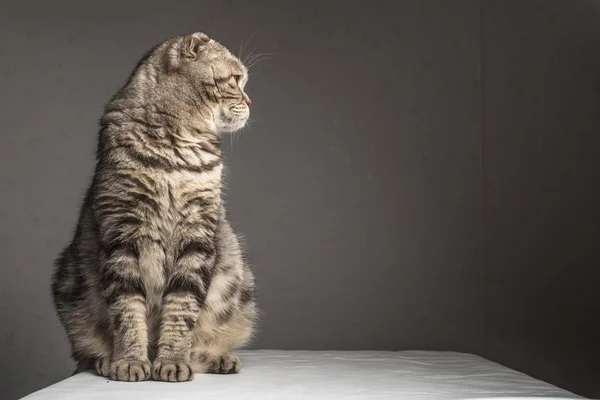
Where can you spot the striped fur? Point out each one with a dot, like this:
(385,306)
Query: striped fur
(154,283)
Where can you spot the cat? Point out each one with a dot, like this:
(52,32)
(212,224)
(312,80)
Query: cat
(155,284)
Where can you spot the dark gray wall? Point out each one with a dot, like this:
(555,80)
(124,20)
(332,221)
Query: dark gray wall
(542,188)
(382,185)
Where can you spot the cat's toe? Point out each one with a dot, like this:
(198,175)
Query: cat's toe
(171,371)
(228,363)
(129,370)
(102,366)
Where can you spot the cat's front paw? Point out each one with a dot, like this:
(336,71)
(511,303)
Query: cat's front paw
(171,371)
(129,370)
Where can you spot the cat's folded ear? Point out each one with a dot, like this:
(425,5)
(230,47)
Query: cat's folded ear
(189,48)
(194,44)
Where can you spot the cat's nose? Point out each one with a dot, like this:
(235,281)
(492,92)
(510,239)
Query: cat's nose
(247,100)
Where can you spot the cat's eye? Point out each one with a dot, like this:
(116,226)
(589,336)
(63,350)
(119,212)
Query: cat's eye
(233,81)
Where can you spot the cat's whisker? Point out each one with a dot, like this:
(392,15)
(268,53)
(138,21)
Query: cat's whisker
(240,50)
(264,54)
(251,59)
(243,47)
(251,55)
(256,61)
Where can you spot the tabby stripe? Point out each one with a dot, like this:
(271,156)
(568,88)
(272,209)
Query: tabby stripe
(180,285)
(201,202)
(231,290)
(115,285)
(192,194)
(246,296)
(190,322)
(204,275)
(79,287)
(115,212)
(105,200)
(144,123)
(135,182)
(196,247)
(224,316)
(161,163)
(147,200)
(149,161)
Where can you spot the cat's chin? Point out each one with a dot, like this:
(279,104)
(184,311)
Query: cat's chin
(233,126)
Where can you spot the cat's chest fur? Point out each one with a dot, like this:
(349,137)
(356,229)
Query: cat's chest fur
(183,196)
(183,200)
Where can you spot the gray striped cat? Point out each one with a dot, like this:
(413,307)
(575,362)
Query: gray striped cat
(154,283)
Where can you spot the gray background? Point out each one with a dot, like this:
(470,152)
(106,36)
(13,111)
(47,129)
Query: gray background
(418,174)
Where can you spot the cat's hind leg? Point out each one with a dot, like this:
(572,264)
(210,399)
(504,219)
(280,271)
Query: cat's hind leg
(213,348)
(100,364)
(91,344)
(87,328)
(224,363)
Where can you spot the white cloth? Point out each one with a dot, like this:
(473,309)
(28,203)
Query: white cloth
(331,375)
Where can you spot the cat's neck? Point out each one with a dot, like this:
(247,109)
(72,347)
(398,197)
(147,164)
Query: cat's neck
(171,129)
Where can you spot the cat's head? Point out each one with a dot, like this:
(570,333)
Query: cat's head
(217,76)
